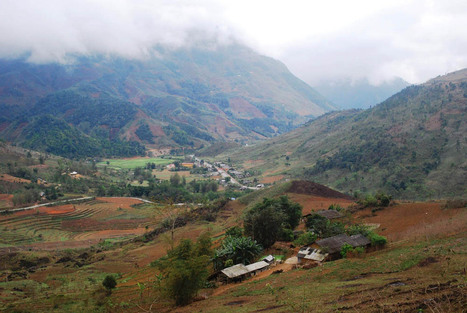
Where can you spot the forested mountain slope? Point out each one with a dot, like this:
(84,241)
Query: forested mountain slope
(413,145)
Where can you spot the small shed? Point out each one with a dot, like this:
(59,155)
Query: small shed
(310,254)
(269,259)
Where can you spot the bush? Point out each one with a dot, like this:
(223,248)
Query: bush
(455,204)
(109,283)
(345,249)
(305,239)
(286,234)
(377,240)
(234,231)
(336,207)
(358,229)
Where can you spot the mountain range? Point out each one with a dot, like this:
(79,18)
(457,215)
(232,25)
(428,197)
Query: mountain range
(413,145)
(173,98)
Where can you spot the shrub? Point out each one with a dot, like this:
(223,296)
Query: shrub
(336,207)
(305,239)
(358,229)
(109,283)
(377,240)
(345,249)
(455,204)
(234,231)
(286,234)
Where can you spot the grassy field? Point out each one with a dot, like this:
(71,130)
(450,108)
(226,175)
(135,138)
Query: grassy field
(134,162)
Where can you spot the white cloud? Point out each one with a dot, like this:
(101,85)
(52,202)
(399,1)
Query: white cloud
(414,39)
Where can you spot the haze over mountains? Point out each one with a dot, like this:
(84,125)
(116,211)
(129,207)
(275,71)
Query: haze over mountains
(182,97)
(358,94)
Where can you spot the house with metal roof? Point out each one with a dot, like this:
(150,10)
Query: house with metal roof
(239,271)
(310,254)
(236,272)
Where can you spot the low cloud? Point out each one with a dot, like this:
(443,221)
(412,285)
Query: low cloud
(378,40)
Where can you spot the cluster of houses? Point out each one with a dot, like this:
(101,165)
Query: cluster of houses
(330,248)
(326,249)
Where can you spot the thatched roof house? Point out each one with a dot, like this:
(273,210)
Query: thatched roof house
(333,245)
(329,214)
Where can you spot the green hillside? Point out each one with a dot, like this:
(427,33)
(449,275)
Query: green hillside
(413,145)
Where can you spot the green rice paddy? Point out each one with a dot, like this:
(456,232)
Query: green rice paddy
(134,163)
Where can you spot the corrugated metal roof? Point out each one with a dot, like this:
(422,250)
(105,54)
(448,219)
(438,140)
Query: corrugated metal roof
(316,255)
(235,271)
(257,266)
(269,258)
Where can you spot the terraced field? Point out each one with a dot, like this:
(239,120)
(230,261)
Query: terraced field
(98,219)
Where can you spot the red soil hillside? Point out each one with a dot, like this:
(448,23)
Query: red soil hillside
(314,189)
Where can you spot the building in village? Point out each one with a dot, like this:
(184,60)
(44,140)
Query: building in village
(329,214)
(238,272)
(333,245)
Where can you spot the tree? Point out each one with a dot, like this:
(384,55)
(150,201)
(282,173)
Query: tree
(323,227)
(184,269)
(175,180)
(266,220)
(264,223)
(292,210)
(109,283)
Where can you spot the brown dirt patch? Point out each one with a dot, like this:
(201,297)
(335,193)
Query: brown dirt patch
(272,179)
(59,245)
(91,225)
(6,197)
(244,109)
(313,203)
(434,122)
(415,220)
(60,209)
(12,179)
(124,203)
(110,233)
(39,166)
(252,163)
(311,188)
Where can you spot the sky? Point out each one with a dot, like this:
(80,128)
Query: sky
(318,40)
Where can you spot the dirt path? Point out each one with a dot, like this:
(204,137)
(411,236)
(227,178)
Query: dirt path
(49,203)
